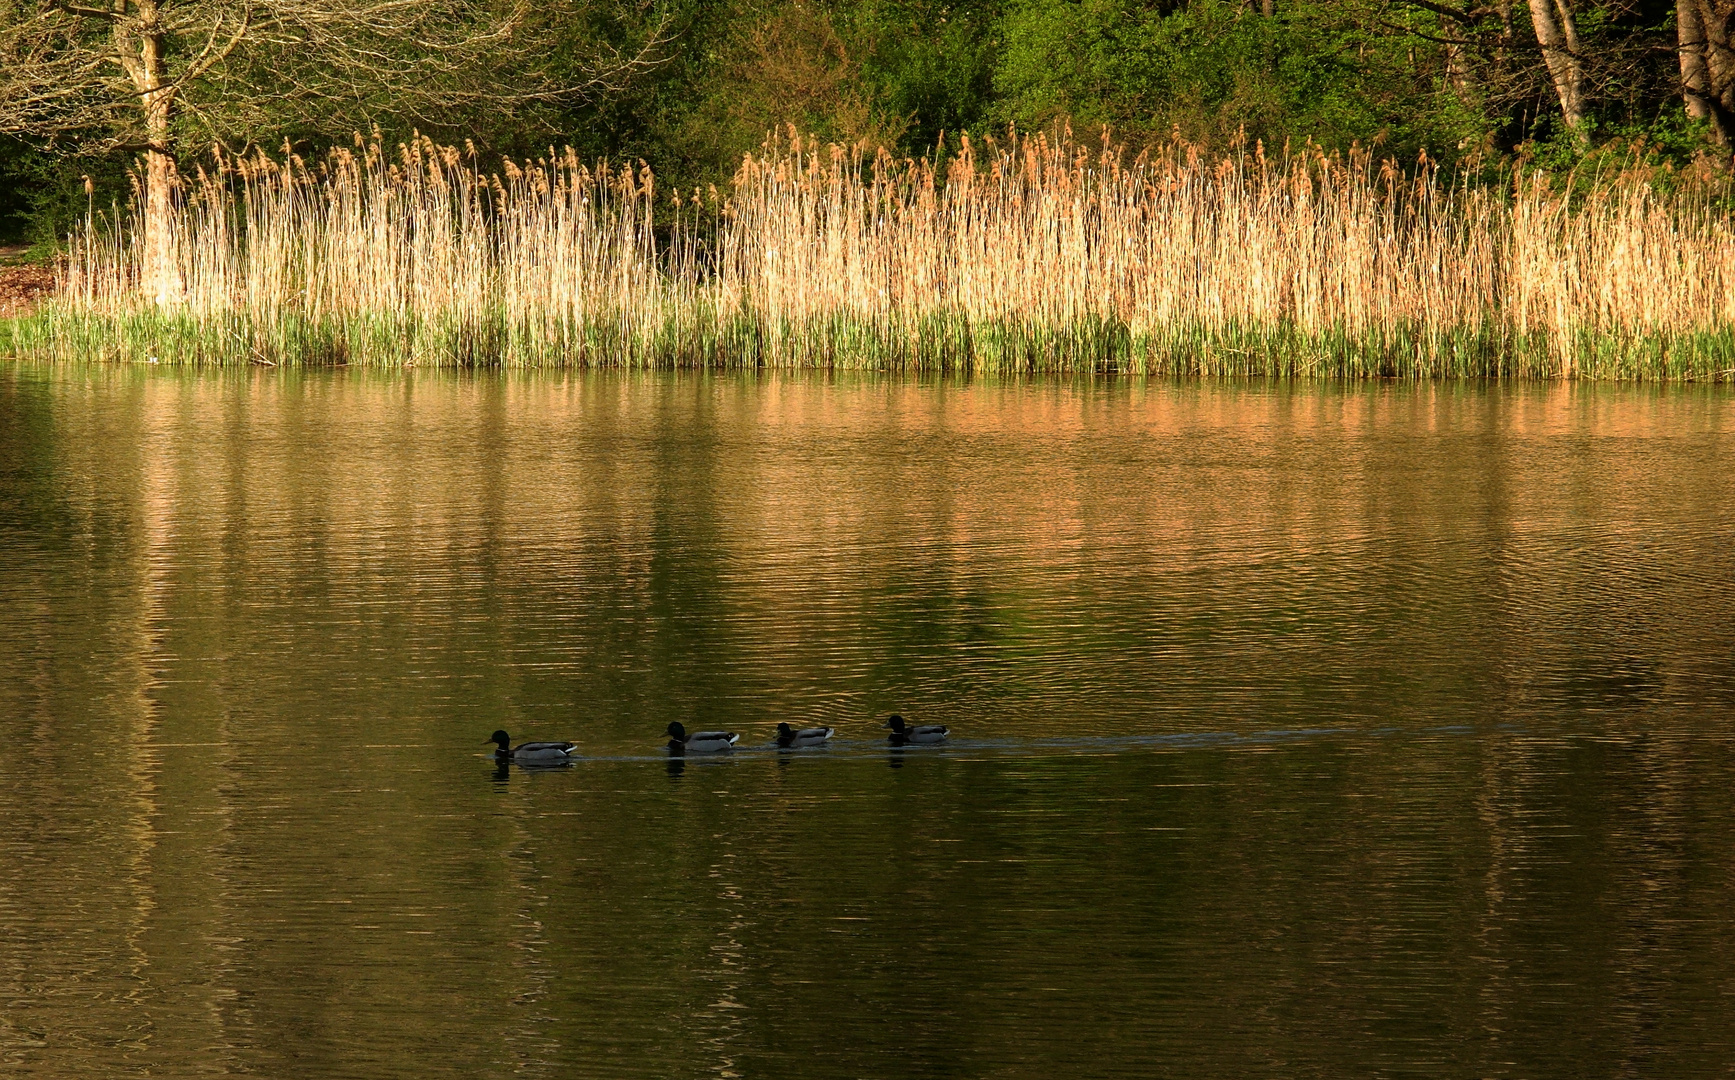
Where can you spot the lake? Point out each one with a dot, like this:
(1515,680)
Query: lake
(1315,730)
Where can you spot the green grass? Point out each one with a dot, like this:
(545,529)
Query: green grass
(701,337)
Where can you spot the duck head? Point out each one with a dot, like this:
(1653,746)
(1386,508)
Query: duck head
(501,740)
(784,731)
(895,722)
(677,731)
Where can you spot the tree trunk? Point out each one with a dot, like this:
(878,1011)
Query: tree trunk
(142,54)
(1695,71)
(1557,34)
(1459,76)
(1704,29)
(161,257)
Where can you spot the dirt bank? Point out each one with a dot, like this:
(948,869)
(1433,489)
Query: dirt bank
(22,285)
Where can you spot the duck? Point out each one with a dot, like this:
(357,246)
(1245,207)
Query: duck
(542,752)
(700,742)
(788,737)
(903,733)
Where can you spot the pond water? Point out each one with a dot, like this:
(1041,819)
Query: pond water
(1298,730)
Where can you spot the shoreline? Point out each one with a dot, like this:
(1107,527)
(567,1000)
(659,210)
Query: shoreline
(1209,363)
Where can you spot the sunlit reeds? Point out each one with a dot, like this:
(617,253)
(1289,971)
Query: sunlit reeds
(1018,254)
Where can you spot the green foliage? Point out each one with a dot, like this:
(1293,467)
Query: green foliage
(15,186)
(1211,70)
(880,71)
(929,64)
(42,195)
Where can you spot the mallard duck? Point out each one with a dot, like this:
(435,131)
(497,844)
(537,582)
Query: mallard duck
(531,751)
(807,736)
(700,742)
(922,733)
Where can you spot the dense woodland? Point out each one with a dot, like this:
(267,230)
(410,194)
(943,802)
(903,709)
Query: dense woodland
(689,85)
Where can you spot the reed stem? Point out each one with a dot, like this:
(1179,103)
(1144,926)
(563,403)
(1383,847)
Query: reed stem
(1020,254)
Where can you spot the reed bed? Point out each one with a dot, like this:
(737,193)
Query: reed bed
(1020,254)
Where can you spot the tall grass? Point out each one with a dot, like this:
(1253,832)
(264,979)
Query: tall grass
(1018,254)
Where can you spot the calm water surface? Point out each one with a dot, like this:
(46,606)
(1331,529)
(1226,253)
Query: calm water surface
(1299,731)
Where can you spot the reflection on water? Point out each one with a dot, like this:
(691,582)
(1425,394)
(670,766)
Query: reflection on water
(1296,731)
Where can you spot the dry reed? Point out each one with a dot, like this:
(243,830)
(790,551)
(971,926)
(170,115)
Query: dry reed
(1022,254)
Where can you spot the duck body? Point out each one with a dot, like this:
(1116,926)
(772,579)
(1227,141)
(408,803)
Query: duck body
(534,752)
(905,734)
(792,739)
(699,742)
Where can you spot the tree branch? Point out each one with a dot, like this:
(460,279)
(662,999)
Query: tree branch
(86,12)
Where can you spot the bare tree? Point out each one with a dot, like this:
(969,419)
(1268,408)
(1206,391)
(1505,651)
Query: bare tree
(146,74)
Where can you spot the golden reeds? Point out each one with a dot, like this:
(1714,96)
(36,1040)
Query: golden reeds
(1017,254)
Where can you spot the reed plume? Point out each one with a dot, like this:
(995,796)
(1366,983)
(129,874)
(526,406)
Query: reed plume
(1019,254)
